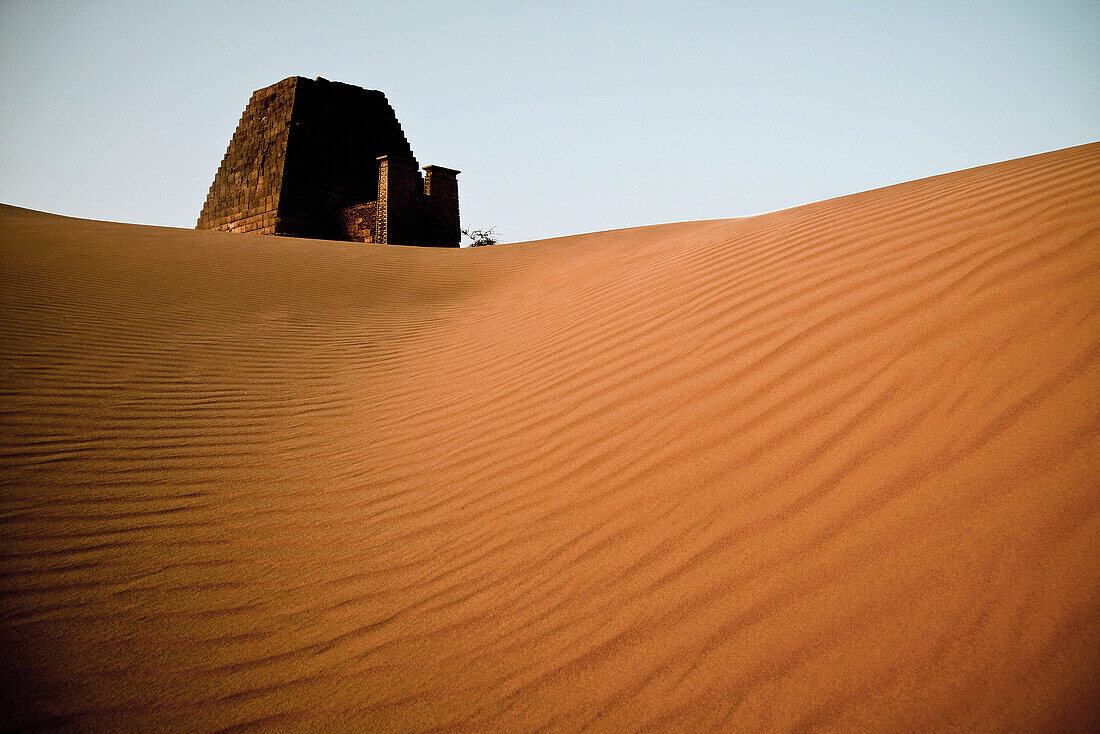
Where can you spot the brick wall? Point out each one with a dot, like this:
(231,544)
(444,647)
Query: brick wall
(358,222)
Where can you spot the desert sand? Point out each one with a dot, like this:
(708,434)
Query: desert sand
(830,468)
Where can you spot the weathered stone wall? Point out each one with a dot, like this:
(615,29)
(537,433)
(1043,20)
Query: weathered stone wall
(358,222)
(398,185)
(307,151)
(245,194)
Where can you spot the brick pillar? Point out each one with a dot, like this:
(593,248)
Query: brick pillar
(441,187)
(397,184)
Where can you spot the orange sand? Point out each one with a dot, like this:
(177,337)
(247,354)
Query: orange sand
(836,467)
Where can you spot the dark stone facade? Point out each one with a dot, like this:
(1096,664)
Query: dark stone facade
(321,159)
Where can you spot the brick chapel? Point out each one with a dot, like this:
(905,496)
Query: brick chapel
(327,160)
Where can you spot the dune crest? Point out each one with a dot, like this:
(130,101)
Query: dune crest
(834,467)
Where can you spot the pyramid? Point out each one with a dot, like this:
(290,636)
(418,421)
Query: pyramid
(328,160)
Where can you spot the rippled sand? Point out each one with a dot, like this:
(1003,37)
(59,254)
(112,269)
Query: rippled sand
(836,467)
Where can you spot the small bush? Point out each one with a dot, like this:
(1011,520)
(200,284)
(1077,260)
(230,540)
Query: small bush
(481,237)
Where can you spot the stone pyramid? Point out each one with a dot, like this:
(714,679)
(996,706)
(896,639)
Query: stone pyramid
(327,160)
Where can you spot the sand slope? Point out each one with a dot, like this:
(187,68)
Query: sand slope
(836,467)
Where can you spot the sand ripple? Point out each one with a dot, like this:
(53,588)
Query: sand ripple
(829,468)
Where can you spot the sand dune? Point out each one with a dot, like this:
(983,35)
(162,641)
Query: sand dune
(835,467)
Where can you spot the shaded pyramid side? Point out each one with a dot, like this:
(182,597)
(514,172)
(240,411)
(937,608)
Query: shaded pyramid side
(337,133)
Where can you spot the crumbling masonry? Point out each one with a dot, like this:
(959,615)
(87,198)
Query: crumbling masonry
(321,159)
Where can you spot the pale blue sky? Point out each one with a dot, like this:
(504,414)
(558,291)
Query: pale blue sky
(564,117)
